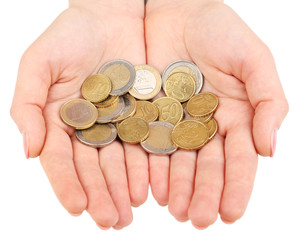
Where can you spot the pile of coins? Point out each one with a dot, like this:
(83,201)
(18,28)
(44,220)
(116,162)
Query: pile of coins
(116,104)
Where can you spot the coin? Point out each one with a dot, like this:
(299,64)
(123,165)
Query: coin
(106,115)
(99,135)
(202,104)
(96,88)
(147,82)
(107,102)
(122,75)
(146,110)
(128,110)
(133,130)
(159,140)
(187,116)
(180,86)
(169,110)
(79,113)
(190,134)
(212,128)
(186,67)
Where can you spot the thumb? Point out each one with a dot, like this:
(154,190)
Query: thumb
(29,100)
(267,97)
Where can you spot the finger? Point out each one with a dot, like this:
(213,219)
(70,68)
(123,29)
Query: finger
(182,173)
(137,172)
(100,205)
(29,100)
(112,163)
(204,207)
(267,97)
(159,178)
(57,161)
(241,164)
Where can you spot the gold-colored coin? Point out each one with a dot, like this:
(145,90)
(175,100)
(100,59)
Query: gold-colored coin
(147,82)
(128,110)
(169,110)
(180,86)
(133,130)
(146,110)
(107,114)
(212,128)
(96,88)
(187,116)
(79,113)
(185,69)
(107,102)
(202,104)
(190,135)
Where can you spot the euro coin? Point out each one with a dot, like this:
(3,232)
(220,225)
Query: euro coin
(190,135)
(147,82)
(122,75)
(202,104)
(128,110)
(133,130)
(79,113)
(96,88)
(107,114)
(99,135)
(212,128)
(169,110)
(159,140)
(107,102)
(187,116)
(186,67)
(180,86)
(146,110)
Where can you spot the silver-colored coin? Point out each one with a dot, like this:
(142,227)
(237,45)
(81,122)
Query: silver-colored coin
(99,135)
(195,72)
(159,140)
(147,82)
(122,75)
(105,115)
(128,110)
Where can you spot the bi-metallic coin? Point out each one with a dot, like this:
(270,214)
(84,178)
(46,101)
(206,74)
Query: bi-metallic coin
(107,114)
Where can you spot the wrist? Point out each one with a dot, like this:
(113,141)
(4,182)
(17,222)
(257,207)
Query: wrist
(131,7)
(153,5)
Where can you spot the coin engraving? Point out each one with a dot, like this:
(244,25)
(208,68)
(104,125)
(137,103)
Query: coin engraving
(202,104)
(146,110)
(133,130)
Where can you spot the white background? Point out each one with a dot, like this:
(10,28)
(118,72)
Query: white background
(28,206)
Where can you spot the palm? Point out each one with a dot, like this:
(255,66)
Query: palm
(204,35)
(79,43)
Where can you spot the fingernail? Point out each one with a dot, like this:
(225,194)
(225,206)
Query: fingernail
(227,222)
(25,144)
(75,214)
(102,227)
(273,142)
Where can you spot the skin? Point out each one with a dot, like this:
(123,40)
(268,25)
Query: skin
(240,70)
(107,182)
(52,70)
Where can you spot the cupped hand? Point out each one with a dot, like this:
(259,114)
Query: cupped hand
(52,70)
(240,70)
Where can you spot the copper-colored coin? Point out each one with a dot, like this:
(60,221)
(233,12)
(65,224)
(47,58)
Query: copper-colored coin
(122,75)
(146,110)
(190,135)
(96,88)
(133,130)
(202,104)
(99,135)
(159,140)
(107,114)
(212,128)
(79,113)
(147,82)
(180,86)
(107,102)
(169,110)
(128,110)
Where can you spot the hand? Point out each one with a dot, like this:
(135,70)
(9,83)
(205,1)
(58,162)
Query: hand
(52,70)
(240,70)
